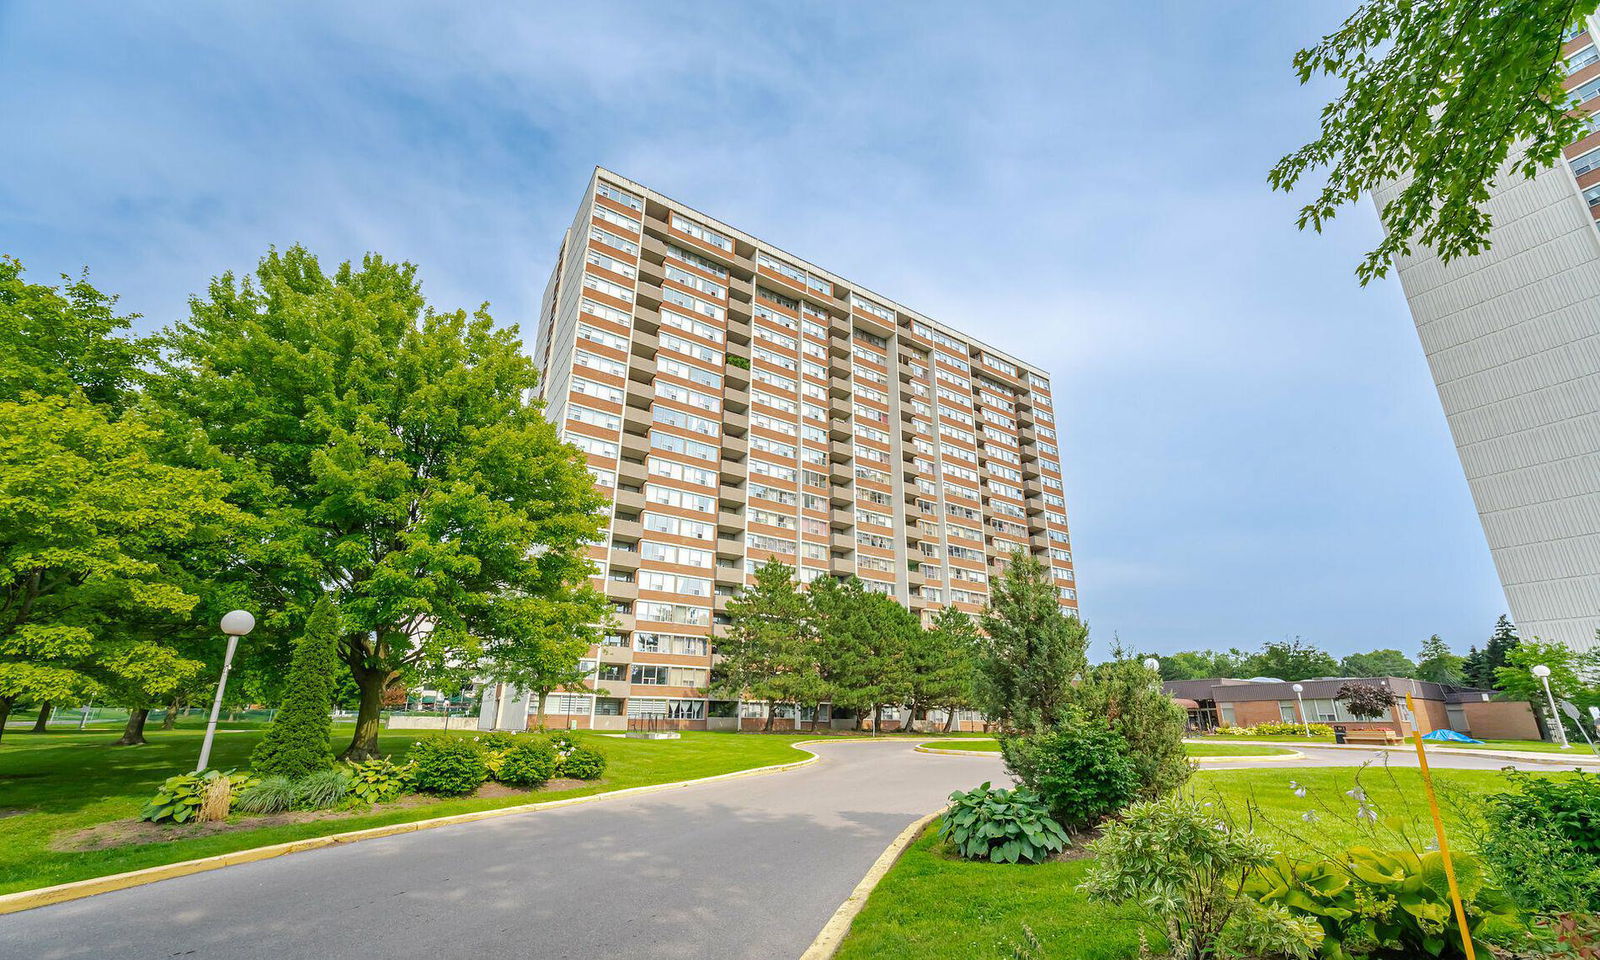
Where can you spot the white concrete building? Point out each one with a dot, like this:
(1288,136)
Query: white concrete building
(1513,339)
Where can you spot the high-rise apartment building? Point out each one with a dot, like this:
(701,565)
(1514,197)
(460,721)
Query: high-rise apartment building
(738,403)
(1513,340)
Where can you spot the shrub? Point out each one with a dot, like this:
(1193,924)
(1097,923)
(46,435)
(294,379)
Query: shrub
(1154,726)
(1005,826)
(1542,842)
(1389,904)
(582,763)
(273,794)
(298,742)
(180,798)
(378,781)
(1277,730)
(323,789)
(495,741)
(1186,864)
(447,766)
(528,764)
(1080,769)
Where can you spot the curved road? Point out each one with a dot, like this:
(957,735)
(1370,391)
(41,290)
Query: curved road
(742,869)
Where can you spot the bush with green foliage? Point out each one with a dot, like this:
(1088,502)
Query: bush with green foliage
(1277,730)
(1129,696)
(1392,904)
(447,766)
(180,798)
(581,763)
(497,740)
(298,741)
(1541,842)
(528,764)
(378,781)
(1187,864)
(1080,769)
(1003,826)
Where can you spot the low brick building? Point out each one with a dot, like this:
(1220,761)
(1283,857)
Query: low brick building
(1225,702)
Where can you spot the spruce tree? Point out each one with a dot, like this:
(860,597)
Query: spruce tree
(299,741)
(1031,651)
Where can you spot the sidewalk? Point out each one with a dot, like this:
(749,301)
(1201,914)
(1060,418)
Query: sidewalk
(1576,757)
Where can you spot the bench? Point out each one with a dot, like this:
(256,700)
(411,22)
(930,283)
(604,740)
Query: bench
(1383,735)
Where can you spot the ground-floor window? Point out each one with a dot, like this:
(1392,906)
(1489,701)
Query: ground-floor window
(607,707)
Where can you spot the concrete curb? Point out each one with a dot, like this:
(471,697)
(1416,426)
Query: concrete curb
(78,889)
(833,932)
(924,748)
(1552,759)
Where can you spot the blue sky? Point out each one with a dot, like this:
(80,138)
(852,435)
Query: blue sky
(1253,446)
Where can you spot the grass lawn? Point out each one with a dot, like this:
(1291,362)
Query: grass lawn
(977,746)
(1530,746)
(63,782)
(933,907)
(1233,750)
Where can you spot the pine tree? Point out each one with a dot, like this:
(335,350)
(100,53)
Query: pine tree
(1437,664)
(863,639)
(1496,654)
(769,653)
(299,741)
(1032,651)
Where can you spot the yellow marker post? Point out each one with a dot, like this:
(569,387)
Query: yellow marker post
(1438,831)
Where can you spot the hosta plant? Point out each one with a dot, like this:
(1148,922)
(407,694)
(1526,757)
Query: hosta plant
(180,798)
(1005,826)
(378,781)
(1390,904)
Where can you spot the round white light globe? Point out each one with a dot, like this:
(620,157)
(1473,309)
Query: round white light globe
(1152,664)
(237,623)
(1297,688)
(1541,671)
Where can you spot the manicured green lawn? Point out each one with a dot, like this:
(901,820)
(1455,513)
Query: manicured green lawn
(64,782)
(1531,746)
(1233,750)
(932,907)
(978,746)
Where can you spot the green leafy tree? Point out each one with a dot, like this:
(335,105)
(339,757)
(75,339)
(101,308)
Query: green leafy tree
(299,741)
(1366,701)
(769,653)
(1129,697)
(1481,666)
(1202,664)
(1032,652)
(1378,663)
(864,640)
(945,664)
(1445,97)
(394,456)
(1573,676)
(536,642)
(65,341)
(1292,659)
(1437,664)
(86,520)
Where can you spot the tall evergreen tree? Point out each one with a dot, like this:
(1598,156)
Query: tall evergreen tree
(299,741)
(1482,670)
(864,640)
(1130,698)
(1032,651)
(770,652)
(943,664)
(1437,664)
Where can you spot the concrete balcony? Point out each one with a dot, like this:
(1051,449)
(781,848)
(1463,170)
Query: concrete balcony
(624,560)
(842,566)
(841,519)
(634,471)
(630,499)
(838,387)
(626,530)
(616,655)
(635,445)
(731,521)
(645,344)
(736,376)
(840,451)
(736,399)
(622,589)
(735,424)
(612,688)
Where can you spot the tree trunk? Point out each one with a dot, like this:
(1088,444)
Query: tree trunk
(171,719)
(42,723)
(950,721)
(364,744)
(133,733)
(5,713)
(543,694)
(877,711)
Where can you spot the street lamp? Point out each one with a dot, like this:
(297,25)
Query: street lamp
(1543,673)
(235,623)
(1152,664)
(1304,725)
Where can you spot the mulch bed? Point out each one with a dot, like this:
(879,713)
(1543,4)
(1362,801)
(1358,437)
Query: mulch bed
(121,833)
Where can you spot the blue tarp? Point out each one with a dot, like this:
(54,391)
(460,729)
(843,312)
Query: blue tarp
(1449,736)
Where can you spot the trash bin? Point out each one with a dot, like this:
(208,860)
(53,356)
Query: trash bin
(1338,733)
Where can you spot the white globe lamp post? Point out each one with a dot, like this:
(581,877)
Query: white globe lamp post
(235,623)
(1305,725)
(1543,673)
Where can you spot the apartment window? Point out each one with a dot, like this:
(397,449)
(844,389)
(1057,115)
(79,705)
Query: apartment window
(611,264)
(705,401)
(673,613)
(672,553)
(674,583)
(599,448)
(689,348)
(690,325)
(612,240)
(682,471)
(688,372)
(594,418)
(613,193)
(867,306)
(688,302)
(1592,195)
(685,421)
(1582,59)
(589,388)
(608,288)
(703,234)
(612,217)
(694,282)
(603,364)
(689,256)
(757,541)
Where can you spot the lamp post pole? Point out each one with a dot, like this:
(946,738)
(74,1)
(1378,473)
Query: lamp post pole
(235,624)
(1543,673)
(1305,725)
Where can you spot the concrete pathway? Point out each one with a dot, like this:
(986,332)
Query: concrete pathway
(744,868)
